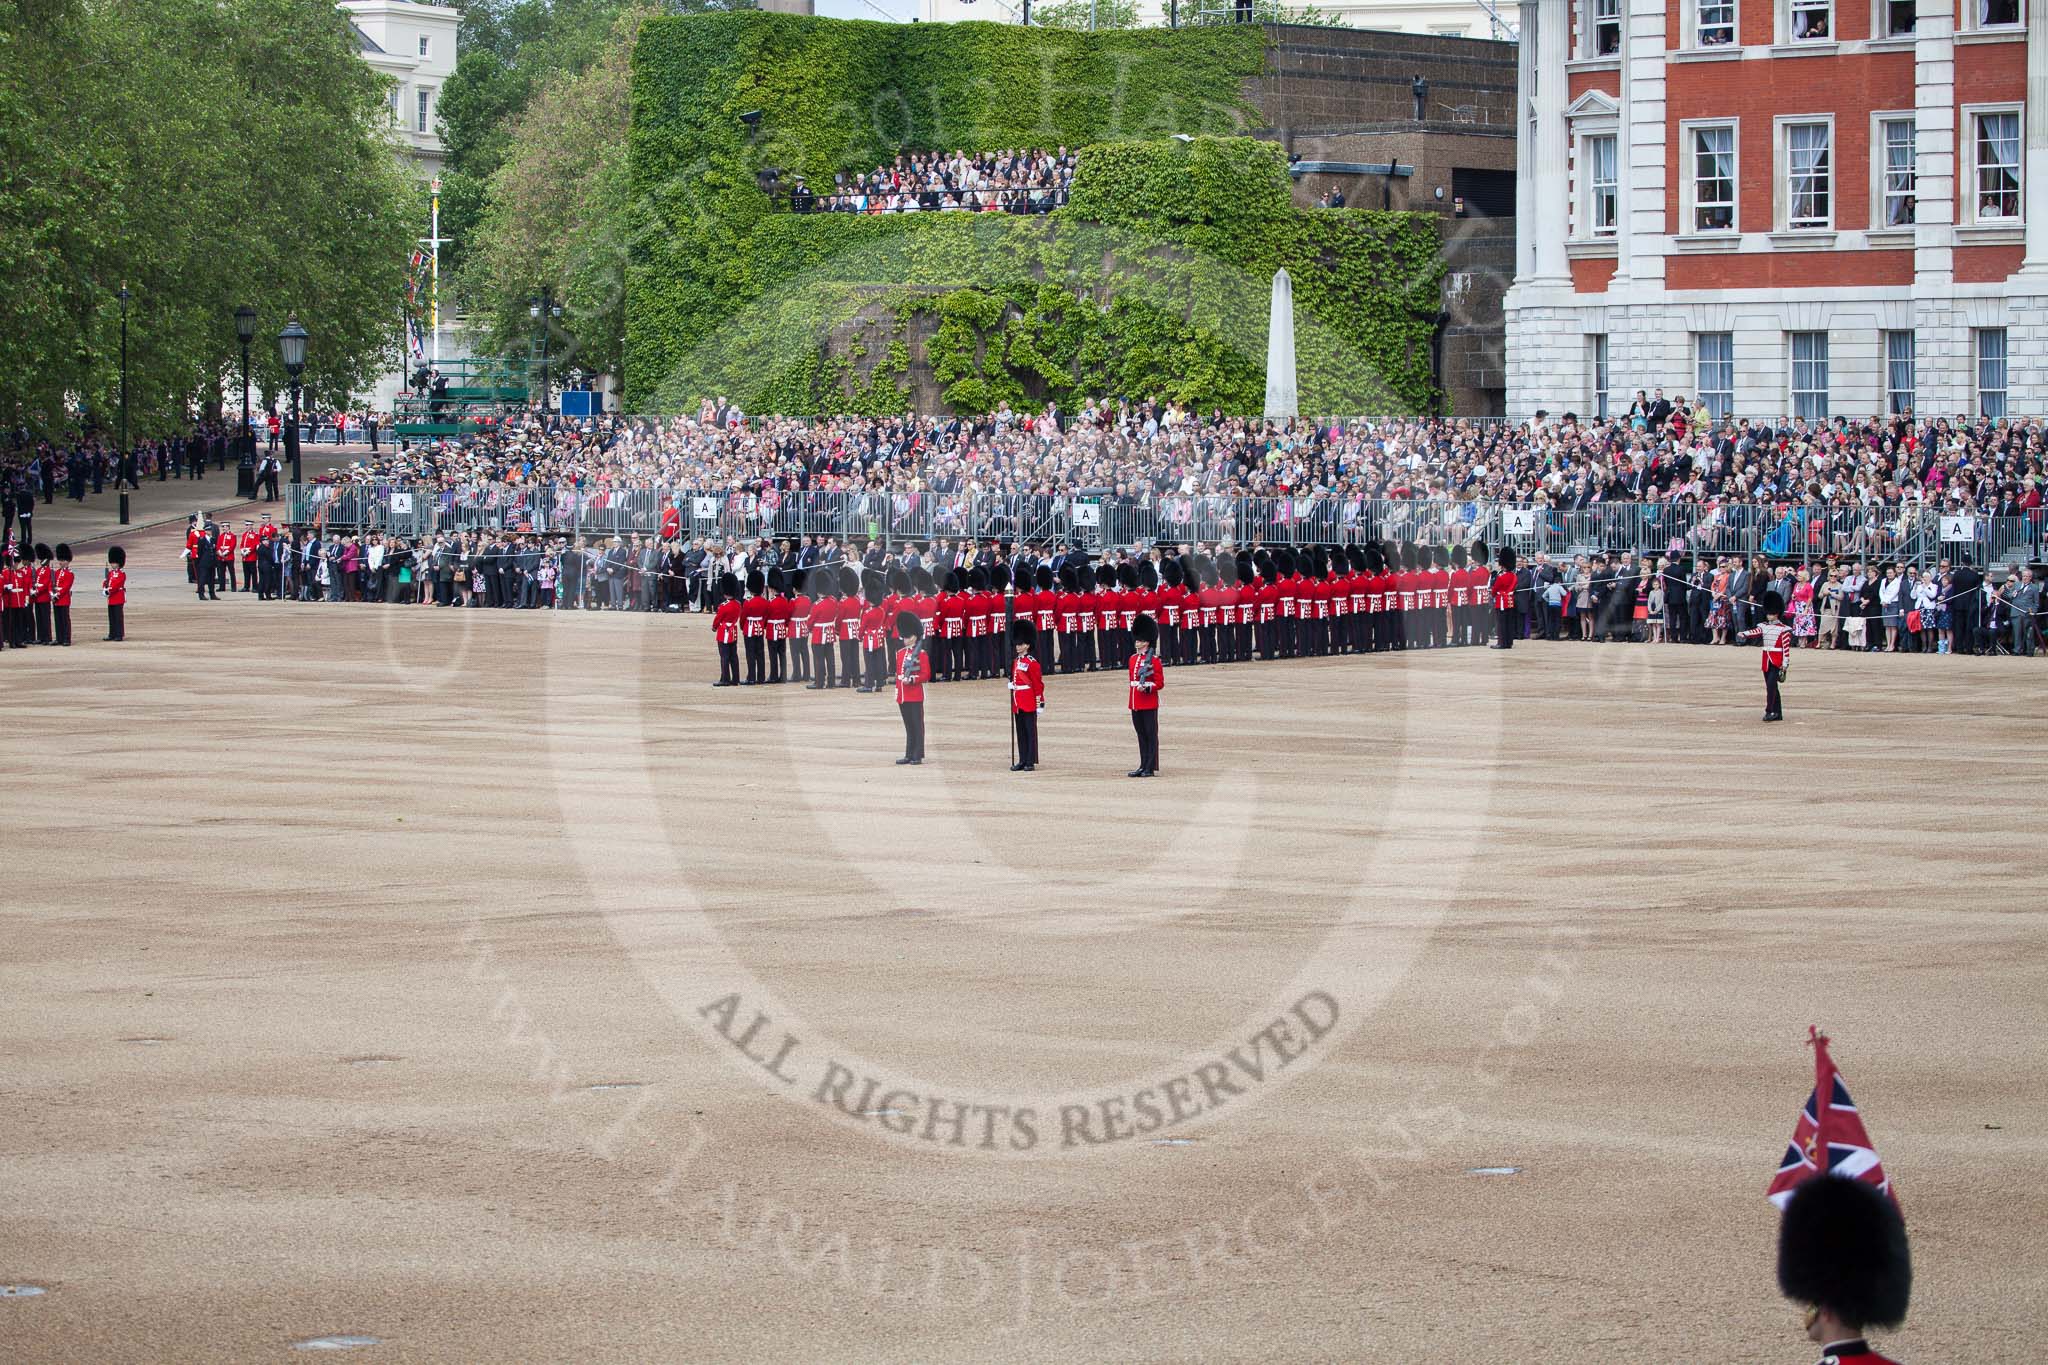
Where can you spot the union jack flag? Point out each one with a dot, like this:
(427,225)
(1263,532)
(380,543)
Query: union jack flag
(1829,1137)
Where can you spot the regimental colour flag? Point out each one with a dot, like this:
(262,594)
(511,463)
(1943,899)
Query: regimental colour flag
(1829,1137)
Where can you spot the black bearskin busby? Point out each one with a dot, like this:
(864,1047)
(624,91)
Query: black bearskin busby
(1226,569)
(1023,633)
(64,553)
(1148,574)
(899,581)
(1842,1247)
(1773,604)
(757,582)
(1044,578)
(117,557)
(999,577)
(1170,572)
(873,586)
(1127,575)
(1069,581)
(1146,629)
(1506,557)
(42,553)
(728,588)
(908,626)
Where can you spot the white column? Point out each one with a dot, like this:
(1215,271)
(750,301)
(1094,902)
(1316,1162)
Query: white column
(1525,141)
(1553,194)
(2035,206)
(1942,342)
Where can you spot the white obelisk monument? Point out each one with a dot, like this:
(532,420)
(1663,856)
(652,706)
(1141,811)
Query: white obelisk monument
(1283,399)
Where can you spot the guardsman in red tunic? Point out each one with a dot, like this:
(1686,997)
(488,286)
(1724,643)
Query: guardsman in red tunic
(1103,601)
(777,619)
(950,634)
(247,546)
(14,593)
(1776,638)
(1022,605)
(1027,695)
(822,626)
(913,671)
(874,630)
(60,595)
(1047,617)
(671,522)
(1842,1252)
(1504,600)
(725,630)
(41,585)
(116,588)
(754,628)
(850,608)
(800,605)
(192,533)
(1147,675)
(1268,595)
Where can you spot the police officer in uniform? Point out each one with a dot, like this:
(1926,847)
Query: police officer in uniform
(1842,1252)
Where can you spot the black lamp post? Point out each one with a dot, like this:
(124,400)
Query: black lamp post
(544,310)
(124,296)
(291,349)
(245,442)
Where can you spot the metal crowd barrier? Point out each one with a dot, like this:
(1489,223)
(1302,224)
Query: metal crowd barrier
(1099,523)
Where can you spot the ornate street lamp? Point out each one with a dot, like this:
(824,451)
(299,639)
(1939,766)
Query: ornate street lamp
(291,349)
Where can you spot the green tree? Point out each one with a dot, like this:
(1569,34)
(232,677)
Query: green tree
(558,212)
(202,154)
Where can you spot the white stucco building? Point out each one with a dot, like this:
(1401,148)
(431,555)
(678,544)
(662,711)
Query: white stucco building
(1802,208)
(413,44)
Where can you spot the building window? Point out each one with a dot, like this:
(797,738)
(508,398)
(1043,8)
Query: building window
(1900,172)
(1600,376)
(423,45)
(422,107)
(1995,13)
(1995,144)
(1714,23)
(1714,372)
(1898,372)
(1605,37)
(1809,176)
(1899,17)
(1713,178)
(1602,185)
(1991,371)
(1810,375)
(1812,21)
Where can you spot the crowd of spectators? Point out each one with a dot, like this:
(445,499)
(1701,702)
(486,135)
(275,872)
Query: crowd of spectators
(1874,480)
(936,182)
(1841,604)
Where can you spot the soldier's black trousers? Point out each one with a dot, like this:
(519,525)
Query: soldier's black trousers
(1772,705)
(1026,723)
(1504,627)
(1146,723)
(63,625)
(729,663)
(778,659)
(849,663)
(913,728)
(756,658)
(821,665)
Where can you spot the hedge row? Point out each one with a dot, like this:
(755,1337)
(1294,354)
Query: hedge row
(1154,280)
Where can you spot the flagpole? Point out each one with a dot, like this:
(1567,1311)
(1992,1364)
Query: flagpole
(1010,659)
(434,290)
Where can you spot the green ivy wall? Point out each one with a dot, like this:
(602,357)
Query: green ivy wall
(1154,280)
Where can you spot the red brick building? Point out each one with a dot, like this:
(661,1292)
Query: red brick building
(1786,207)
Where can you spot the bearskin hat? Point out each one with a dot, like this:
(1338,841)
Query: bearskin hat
(728,587)
(922,579)
(1842,1247)
(1170,572)
(977,580)
(1023,633)
(1145,628)
(908,626)
(1506,557)
(1148,574)
(1105,576)
(1773,603)
(1044,578)
(1127,574)
(873,586)
(952,580)
(1245,569)
(42,552)
(117,556)
(1068,581)
(899,581)
(757,582)
(64,553)
(999,576)
(1226,569)
(1189,575)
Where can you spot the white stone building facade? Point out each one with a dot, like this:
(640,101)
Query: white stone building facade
(1786,207)
(413,44)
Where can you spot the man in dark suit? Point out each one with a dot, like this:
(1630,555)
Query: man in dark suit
(1660,411)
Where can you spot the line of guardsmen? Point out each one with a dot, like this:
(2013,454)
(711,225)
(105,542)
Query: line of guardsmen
(1279,603)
